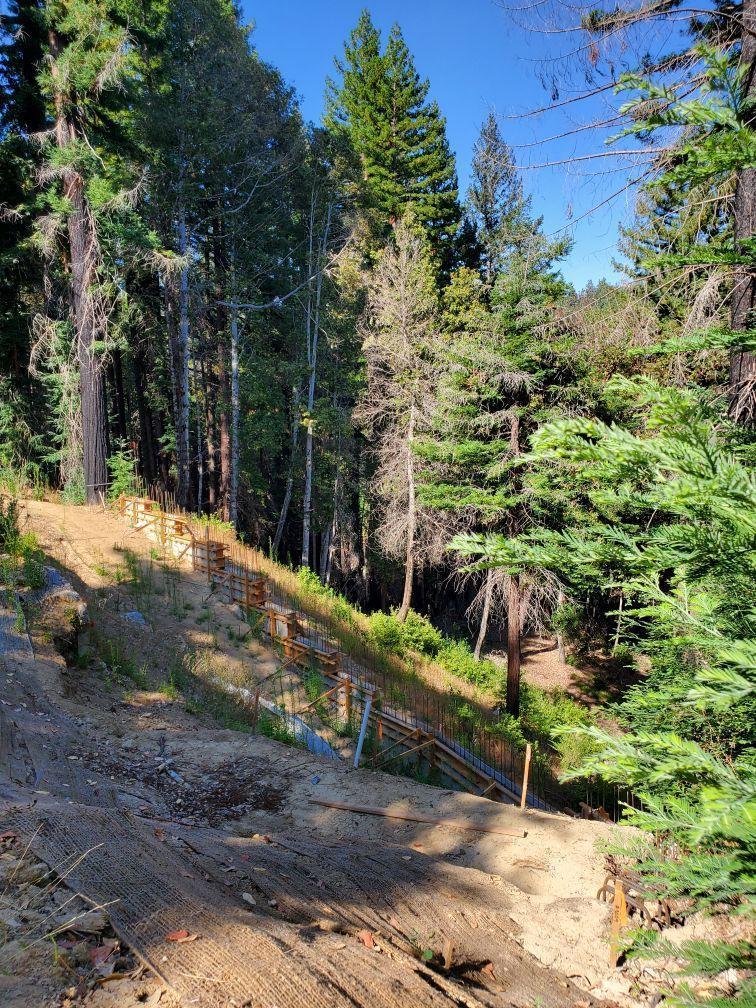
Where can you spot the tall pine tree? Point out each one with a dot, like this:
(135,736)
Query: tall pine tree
(402,158)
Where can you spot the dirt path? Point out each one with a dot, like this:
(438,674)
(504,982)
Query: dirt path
(527,905)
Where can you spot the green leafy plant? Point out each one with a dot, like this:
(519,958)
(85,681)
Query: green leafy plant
(419,634)
(123,475)
(9,528)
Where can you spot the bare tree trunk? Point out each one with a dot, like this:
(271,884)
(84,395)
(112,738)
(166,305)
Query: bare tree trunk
(93,412)
(742,390)
(313,331)
(331,546)
(169,296)
(212,453)
(560,636)
(81,249)
(325,546)
(483,629)
(220,265)
(224,432)
(119,395)
(513,647)
(514,617)
(409,563)
(329,535)
(146,432)
(183,493)
(619,622)
(295,424)
(200,450)
(307,496)
(233,506)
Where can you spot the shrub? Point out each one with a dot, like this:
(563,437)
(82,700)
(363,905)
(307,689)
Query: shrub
(456,657)
(624,656)
(74,492)
(310,581)
(419,634)
(9,533)
(542,713)
(386,631)
(33,567)
(341,609)
(568,620)
(510,729)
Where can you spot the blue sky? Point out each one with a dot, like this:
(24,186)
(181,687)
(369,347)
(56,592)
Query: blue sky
(477,59)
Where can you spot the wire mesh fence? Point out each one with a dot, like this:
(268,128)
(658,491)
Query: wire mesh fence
(451,740)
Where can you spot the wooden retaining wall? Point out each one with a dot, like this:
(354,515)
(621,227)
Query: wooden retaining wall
(290,629)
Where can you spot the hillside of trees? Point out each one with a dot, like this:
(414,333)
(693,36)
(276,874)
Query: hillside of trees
(309,332)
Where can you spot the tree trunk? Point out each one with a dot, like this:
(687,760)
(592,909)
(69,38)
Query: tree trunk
(295,424)
(146,432)
(168,288)
(742,390)
(81,254)
(224,432)
(119,395)
(220,264)
(514,616)
(618,628)
(560,636)
(513,647)
(233,503)
(313,332)
(208,393)
(409,563)
(183,492)
(307,498)
(93,415)
(326,561)
(484,615)
(200,449)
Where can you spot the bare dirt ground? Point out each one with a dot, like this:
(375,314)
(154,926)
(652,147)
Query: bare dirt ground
(596,682)
(137,748)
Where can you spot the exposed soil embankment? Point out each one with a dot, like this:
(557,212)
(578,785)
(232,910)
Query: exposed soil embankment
(193,828)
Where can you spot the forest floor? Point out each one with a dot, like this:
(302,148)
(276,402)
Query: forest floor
(273,898)
(594,682)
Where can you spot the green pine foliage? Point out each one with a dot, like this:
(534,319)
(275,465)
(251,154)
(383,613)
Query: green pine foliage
(396,136)
(673,526)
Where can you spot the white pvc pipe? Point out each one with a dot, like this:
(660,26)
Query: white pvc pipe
(363,729)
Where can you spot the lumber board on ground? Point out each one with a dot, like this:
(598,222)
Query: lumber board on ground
(429,820)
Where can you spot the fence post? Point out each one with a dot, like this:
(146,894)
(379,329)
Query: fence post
(207,554)
(525,775)
(346,696)
(619,920)
(363,730)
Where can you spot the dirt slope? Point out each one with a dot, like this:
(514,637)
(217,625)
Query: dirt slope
(525,904)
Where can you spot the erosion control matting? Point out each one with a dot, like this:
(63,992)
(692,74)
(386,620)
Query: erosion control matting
(318,927)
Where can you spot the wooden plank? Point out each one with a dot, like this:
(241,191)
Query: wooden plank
(619,921)
(388,814)
(525,775)
(317,700)
(407,752)
(412,735)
